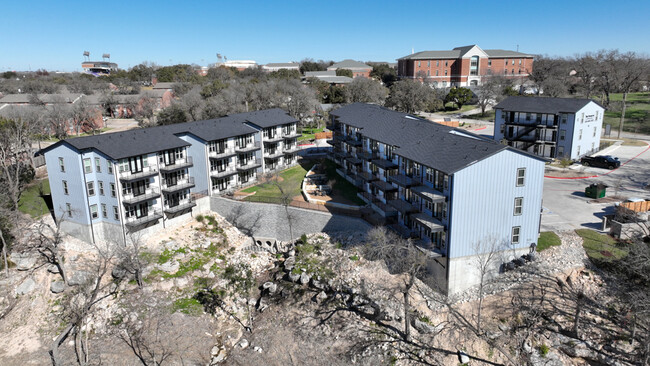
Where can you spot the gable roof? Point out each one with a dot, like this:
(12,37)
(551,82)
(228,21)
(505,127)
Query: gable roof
(350,65)
(458,52)
(543,104)
(431,144)
(119,145)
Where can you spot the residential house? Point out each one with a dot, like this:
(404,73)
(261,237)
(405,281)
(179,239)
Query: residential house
(464,66)
(448,188)
(561,128)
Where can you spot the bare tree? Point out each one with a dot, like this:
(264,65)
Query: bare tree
(83,116)
(47,240)
(629,69)
(409,96)
(109,102)
(364,90)
(285,199)
(401,256)
(145,110)
(587,67)
(129,255)
(487,254)
(80,306)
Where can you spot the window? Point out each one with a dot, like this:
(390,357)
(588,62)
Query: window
(560,151)
(65,187)
(437,72)
(61,165)
(521,177)
(445,72)
(564,118)
(429,175)
(446,63)
(104,211)
(87,166)
(116,214)
(112,189)
(93,212)
(580,134)
(109,167)
(437,63)
(562,135)
(515,234)
(578,151)
(528,116)
(418,63)
(68,209)
(513,61)
(91,188)
(519,203)
(100,186)
(428,63)
(428,205)
(98,166)
(489,62)
(505,62)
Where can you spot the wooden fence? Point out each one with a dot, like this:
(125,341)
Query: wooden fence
(642,206)
(323,135)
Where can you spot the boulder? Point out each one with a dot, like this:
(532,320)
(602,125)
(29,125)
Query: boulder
(57,287)
(289,263)
(304,278)
(26,287)
(169,267)
(258,349)
(53,269)
(317,284)
(118,273)
(23,261)
(270,287)
(423,327)
(77,278)
(218,355)
(322,296)
(293,277)
(463,358)
(244,343)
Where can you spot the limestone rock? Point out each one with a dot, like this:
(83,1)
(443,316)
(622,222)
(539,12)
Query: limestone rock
(26,287)
(218,355)
(463,357)
(79,277)
(289,263)
(53,269)
(57,287)
(304,278)
(293,277)
(270,287)
(23,261)
(169,267)
(118,273)
(244,343)
(322,296)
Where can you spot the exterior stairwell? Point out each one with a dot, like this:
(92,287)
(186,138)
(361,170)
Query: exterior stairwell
(522,133)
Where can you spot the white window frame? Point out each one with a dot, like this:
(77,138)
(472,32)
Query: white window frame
(65,187)
(98,165)
(516,234)
(94,214)
(521,177)
(116,213)
(113,191)
(104,211)
(519,206)
(61,165)
(90,187)
(100,187)
(88,166)
(68,209)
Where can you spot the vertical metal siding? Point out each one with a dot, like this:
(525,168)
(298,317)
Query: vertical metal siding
(74,176)
(482,204)
(197,151)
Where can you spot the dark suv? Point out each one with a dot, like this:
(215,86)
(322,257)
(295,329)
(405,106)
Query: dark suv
(604,161)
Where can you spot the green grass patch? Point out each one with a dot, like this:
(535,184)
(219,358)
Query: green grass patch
(309,133)
(489,116)
(31,202)
(601,247)
(189,306)
(451,108)
(291,181)
(342,187)
(548,239)
(637,113)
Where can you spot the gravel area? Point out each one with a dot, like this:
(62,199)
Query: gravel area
(268,220)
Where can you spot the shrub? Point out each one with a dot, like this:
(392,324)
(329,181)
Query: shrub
(565,162)
(354,257)
(199,218)
(543,350)
(303,238)
(187,306)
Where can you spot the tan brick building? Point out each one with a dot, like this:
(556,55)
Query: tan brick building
(464,66)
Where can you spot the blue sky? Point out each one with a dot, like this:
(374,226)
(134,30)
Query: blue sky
(53,35)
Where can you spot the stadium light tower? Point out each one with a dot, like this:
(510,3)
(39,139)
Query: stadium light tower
(106,56)
(86,55)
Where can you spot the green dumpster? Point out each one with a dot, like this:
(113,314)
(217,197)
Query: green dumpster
(595,190)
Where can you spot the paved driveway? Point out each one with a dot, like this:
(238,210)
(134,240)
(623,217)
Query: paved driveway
(565,206)
(268,220)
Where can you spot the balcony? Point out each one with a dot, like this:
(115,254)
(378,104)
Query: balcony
(429,193)
(222,153)
(273,154)
(384,164)
(150,193)
(368,155)
(290,135)
(291,149)
(353,141)
(250,164)
(181,206)
(368,177)
(353,160)
(273,138)
(146,172)
(403,180)
(366,196)
(178,164)
(384,186)
(228,171)
(404,231)
(180,185)
(403,206)
(429,221)
(249,147)
(153,215)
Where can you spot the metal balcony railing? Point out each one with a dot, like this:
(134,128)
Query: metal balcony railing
(223,173)
(178,186)
(181,206)
(152,215)
(146,172)
(249,147)
(185,162)
(150,193)
(250,164)
(222,153)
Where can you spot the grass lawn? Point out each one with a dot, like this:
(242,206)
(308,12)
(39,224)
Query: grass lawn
(309,133)
(637,113)
(450,108)
(291,179)
(601,247)
(342,187)
(489,116)
(30,201)
(548,239)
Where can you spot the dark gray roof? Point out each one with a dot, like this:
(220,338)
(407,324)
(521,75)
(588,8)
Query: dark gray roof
(265,118)
(437,146)
(506,53)
(543,104)
(351,65)
(141,141)
(119,145)
(283,64)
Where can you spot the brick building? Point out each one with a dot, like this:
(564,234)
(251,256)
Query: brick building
(359,69)
(463,66)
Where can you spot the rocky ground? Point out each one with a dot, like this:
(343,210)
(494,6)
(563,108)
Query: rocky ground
(211,296)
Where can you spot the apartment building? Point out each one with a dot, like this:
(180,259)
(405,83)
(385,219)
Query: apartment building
(464,66)
(107,186)
(559,128)
(447,187)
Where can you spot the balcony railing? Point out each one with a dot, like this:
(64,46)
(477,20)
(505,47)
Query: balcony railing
(291,149)
(384,164)
(272,154)
(150,193)
(152,215)
(403,206)
(367,155)
(249,147)
(275,138)
(403,180)
(146,172)
(223,153)
(250,164)
(223,173)
(290,134)
(178,186)
(178,164)
(181,206)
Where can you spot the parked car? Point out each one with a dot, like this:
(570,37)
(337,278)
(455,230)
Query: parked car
(604,161)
